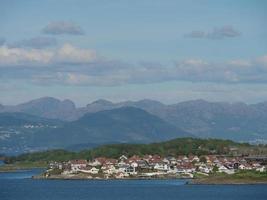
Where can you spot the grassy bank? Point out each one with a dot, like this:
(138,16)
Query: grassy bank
(22,166)
(241,177)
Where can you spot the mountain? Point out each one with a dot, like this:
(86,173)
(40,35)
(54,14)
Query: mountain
(120,125)
(126,124)
(236,121)
(20,119)
(46,107)
(19,132)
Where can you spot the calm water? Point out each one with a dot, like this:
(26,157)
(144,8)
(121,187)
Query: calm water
(18,186)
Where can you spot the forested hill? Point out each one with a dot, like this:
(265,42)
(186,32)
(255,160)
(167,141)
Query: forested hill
(180,146)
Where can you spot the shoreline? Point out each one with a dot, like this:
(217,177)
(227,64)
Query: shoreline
(213,180)
(79,177)
(228,181)
(188,181)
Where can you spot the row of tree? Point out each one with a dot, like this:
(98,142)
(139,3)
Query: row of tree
(180,146)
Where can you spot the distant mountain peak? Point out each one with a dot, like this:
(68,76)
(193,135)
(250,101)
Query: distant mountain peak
(102,101)
(149,101)
(68,103)
(46,98)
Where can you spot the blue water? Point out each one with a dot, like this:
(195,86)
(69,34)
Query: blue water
(19,186)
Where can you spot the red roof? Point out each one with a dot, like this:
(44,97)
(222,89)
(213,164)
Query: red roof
(78,162)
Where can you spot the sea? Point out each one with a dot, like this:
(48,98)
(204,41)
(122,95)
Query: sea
(19,186)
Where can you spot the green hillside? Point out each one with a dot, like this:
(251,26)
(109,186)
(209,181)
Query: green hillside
(180,146)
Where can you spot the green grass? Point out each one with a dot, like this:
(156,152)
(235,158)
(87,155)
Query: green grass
(240,177)
(252,174)
(23,165)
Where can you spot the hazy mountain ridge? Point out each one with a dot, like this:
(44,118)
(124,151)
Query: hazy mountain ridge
(237,121)
(47,107)
(125,124)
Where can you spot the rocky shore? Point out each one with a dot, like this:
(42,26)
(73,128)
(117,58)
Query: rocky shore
(89,177)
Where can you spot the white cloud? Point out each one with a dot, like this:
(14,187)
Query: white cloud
(195,62)
(39,57)
(240,63)
(69,54)
(19,56)
(76,66)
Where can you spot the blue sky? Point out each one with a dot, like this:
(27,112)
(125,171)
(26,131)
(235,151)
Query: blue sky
(127,50)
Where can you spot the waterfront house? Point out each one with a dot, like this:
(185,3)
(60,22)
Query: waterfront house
(78,164)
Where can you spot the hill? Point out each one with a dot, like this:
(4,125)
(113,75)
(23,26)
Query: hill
(120,125)
(175,147)
(19,132)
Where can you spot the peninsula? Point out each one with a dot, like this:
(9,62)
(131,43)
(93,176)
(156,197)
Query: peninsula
(205,161)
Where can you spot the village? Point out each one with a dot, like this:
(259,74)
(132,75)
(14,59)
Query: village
(152,166)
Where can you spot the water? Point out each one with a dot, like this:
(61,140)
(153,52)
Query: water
(19,186)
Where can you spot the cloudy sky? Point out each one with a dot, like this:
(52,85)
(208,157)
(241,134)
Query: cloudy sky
(167,50)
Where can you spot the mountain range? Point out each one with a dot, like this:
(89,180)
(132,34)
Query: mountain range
(51,123)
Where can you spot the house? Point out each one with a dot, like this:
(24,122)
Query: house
(93,170)
(130,170)
(123,167)
(123,158)
(89,170)
(99,161)
(109,169)
(172,160)
(204,169)
(188,168)
(110,161)
(143,164)
(159,165)
(244,167)
(134,158)
(147,157)
(166,161)
(193,158)
(134,164)
(261,169)
(225,169)
(55,165)
(78,164)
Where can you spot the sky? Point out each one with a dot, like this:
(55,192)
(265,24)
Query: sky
(166,50)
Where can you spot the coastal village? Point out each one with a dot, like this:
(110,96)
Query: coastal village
(152,166)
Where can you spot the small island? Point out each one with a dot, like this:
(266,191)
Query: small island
(200,161)
(208,169)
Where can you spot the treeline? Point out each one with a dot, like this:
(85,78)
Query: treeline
(180,146)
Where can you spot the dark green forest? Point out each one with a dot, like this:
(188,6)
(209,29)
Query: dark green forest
(180,146)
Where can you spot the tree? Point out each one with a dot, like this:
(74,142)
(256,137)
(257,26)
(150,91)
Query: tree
(215,169)
(203,159)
